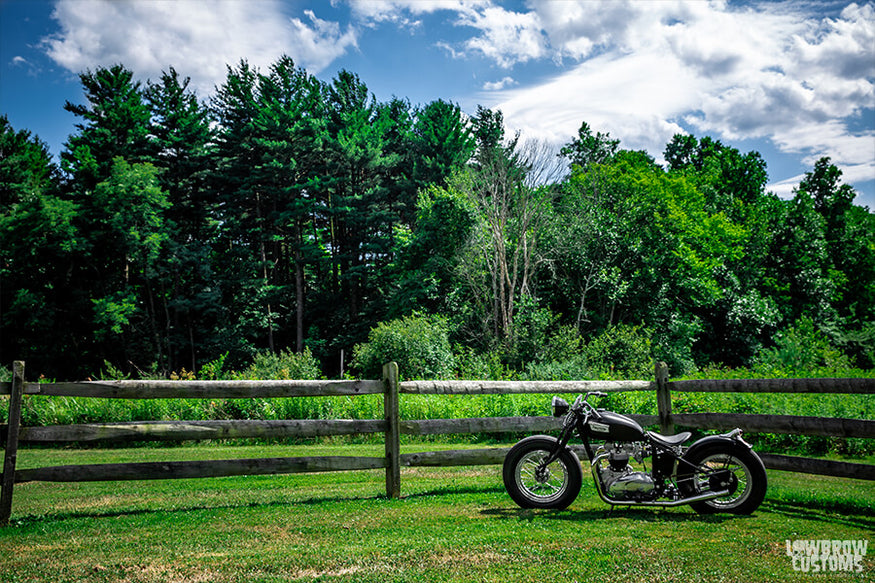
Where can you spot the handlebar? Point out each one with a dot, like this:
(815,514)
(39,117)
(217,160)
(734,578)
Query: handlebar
(583,400)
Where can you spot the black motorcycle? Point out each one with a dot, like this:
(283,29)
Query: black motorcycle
(717,473)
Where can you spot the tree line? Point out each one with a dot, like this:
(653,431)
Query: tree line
(288,213)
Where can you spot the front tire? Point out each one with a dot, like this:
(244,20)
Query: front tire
(723,467)
(531,484)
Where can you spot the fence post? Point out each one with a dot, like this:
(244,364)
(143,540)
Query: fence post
(663,399)
(391,410)
(13,425)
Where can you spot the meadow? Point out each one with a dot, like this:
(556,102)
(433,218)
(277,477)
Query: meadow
(451,525)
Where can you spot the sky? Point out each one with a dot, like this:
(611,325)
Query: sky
(792,80)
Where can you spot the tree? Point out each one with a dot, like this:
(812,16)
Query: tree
(587,149)
(728,175)
(180,136)
(441,143)
(360,213)
(116,124)
(291,132)
(844,237)
(38,238)
(248,296)
(640,247)
(26,167)
(511,210)
(127,233)
(429,254)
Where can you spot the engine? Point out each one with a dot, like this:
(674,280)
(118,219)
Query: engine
(619,480)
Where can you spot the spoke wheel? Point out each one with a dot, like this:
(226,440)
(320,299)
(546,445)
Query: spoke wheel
(725,467)
(532,483)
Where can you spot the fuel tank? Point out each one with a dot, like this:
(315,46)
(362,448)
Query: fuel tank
(614,427)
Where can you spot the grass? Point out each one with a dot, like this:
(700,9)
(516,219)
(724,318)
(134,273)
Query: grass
(452,525)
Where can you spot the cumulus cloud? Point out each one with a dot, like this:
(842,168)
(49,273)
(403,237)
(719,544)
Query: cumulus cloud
(498,85)
(647,70)
(199,38)
(506,37)
(641,70)
(402,12)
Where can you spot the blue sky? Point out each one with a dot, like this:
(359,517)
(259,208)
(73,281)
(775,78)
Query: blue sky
(793,80)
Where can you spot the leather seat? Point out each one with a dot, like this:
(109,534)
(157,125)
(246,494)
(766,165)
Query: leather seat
(670,440)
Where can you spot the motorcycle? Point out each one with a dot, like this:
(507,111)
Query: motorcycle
(717,473)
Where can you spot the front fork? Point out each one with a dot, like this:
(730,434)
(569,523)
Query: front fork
(561,443)
(564,437)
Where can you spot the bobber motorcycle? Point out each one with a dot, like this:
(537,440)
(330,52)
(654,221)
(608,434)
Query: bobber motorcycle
(717,473)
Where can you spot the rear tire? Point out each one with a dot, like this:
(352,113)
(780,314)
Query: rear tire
(530,485)
(721,467)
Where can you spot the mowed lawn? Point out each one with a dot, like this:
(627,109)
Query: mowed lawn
(452,524)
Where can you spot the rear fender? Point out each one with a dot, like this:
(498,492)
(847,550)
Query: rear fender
(730,440)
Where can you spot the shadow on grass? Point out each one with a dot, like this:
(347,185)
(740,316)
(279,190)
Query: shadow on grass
(836,512)
(33,519)
(638,514)
(849,513)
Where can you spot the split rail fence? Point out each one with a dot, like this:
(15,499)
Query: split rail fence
(391,425)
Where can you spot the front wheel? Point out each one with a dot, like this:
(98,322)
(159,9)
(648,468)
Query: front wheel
(533,484)
(723,467)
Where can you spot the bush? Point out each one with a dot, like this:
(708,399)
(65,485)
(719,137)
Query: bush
(418,343)
(799,350)
(285,365)
(570,369)
(530,332)
(471,365)
(621,352)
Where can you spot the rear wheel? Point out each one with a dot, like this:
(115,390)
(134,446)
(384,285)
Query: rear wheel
(719,467)
(532,483)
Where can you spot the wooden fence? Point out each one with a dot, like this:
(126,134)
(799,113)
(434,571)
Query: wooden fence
(391,424)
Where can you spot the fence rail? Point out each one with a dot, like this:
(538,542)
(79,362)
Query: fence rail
(391,425)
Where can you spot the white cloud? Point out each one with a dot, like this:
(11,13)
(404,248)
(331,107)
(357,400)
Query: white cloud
(197,38)
(499,85)
(506,37)
(765,71)
(785,188)
(396,11)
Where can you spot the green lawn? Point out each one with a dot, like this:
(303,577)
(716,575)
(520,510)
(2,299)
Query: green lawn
(452,524)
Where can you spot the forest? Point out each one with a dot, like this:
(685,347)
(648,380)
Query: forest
(289,216)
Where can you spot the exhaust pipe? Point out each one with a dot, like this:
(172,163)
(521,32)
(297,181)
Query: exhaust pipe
(663,504)
(667,503)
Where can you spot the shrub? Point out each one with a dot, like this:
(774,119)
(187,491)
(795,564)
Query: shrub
(570,369)
(418,343)
(800,349)
(621,352)
(471,365)
(284,365)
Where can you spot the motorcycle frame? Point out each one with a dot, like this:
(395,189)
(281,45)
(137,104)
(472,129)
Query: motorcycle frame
(576,421)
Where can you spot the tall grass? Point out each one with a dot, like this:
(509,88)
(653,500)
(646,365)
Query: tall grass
(40,410)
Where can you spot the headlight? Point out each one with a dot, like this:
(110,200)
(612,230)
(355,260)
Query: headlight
(559,406)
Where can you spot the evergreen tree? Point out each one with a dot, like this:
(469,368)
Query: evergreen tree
(115,124)
(38,237)
(180,137)
(291,134)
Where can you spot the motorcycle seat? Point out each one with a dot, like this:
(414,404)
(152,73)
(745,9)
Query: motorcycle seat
(670,440)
